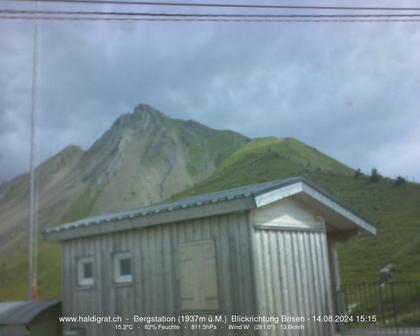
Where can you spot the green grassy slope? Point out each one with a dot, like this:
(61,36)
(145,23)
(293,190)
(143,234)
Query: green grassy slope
(395,208)
(15,283)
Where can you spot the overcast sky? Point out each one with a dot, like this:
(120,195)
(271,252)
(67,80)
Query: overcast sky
(352,90)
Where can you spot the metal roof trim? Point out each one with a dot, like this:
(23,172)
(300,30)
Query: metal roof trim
(22,312)
(219,196)
(254,192)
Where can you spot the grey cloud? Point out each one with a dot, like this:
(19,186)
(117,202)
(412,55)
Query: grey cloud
(349,90)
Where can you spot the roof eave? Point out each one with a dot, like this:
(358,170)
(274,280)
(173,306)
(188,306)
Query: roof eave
(140,218)
(211,209)
(321,196)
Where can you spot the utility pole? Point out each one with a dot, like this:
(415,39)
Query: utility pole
(33,213)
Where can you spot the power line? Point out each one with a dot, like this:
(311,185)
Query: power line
(221,5)
(205,15)
(173,19)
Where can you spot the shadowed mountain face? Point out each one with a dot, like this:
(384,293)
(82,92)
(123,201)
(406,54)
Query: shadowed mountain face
(146,157)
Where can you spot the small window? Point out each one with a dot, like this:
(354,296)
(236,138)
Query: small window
(122,267)
(85,271)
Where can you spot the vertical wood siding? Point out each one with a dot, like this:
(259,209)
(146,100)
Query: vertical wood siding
(261,271)
(155,286)
(293,277)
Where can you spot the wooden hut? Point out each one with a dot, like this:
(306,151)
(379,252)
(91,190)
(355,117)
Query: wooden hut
(245,254)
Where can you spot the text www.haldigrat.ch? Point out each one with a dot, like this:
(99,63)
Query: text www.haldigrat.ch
(91,319)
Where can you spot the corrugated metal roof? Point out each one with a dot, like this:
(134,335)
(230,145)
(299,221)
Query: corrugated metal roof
(252,190)
(196,201)
(22,312)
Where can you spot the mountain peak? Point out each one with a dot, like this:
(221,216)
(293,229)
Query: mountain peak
(143,116)
(144,110)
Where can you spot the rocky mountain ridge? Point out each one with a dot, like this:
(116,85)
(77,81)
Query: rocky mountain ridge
(145,157)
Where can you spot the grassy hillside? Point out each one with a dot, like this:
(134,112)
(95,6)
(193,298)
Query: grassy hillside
(395,208)
(15,268)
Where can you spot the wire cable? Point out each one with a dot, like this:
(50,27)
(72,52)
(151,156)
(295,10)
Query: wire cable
(204,15)
(173,19)
(221,5)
